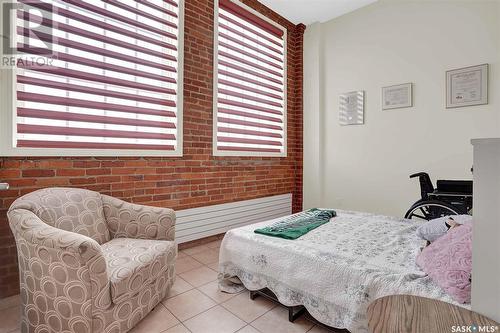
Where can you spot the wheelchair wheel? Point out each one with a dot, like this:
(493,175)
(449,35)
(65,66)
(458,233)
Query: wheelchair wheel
(431,209)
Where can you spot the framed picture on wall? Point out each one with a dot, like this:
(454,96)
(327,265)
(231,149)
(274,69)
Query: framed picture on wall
(352,108)
(467,86)
(397,96)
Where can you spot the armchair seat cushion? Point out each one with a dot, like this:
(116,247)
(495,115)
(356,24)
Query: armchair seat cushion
(134,263)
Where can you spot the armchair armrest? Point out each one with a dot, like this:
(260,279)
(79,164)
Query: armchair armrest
(80,257)
(129,220)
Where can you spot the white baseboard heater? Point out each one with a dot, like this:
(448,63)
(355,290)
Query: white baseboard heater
(196,223)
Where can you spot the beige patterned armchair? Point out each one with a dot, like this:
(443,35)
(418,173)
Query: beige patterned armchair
(89,262)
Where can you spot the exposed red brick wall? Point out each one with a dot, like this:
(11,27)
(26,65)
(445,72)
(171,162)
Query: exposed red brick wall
(197,178)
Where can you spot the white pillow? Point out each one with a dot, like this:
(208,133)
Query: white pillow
(436,228)
(462,219)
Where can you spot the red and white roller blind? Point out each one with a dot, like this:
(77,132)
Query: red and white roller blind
(251,84)
(112,82)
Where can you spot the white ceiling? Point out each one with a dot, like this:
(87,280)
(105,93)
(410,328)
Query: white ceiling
(310,11)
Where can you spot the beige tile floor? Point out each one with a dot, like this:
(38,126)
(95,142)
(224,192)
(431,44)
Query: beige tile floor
(196,305)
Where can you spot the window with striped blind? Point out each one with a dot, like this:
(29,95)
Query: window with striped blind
(250,81)
(113,83)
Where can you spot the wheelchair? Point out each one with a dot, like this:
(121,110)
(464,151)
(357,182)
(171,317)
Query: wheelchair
(450,197)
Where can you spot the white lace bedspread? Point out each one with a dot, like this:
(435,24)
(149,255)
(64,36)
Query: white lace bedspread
(335,271)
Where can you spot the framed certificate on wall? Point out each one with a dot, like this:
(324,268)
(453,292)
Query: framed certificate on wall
(467,86)
(398,96)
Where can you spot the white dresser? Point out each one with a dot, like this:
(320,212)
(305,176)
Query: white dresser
(486,232)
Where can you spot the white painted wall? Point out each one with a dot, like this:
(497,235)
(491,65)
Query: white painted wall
(312,116)
(390,42)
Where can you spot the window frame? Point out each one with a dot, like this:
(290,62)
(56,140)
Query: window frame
(217,152)
(8,113)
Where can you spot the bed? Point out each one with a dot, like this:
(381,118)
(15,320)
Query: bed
(334,271)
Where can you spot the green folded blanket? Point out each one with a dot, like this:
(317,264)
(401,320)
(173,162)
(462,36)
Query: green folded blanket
(297,225)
